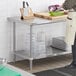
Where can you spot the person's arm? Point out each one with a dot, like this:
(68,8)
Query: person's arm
(69,4)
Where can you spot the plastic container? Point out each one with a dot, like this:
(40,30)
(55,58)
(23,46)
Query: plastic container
(56,13)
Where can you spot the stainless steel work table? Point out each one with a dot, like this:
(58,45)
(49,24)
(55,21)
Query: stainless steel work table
(31,23)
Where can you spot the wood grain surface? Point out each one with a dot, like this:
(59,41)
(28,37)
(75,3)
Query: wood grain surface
(46,15)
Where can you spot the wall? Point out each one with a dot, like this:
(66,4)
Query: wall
(10,8)
(41,5)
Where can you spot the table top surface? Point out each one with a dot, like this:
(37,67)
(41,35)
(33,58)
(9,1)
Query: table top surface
(35,20)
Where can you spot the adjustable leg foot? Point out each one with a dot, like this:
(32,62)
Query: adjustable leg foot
(14,58)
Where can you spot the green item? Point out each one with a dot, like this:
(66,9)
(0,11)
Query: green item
(8,72)
(56,13)
(1,67)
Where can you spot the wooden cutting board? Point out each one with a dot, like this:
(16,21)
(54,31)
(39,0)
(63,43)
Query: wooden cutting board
(47,16)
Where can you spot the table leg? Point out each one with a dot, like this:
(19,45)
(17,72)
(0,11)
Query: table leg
(14,40)
(31,58)
(31,63)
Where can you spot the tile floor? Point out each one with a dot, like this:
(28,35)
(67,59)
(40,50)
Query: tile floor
(44,64)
